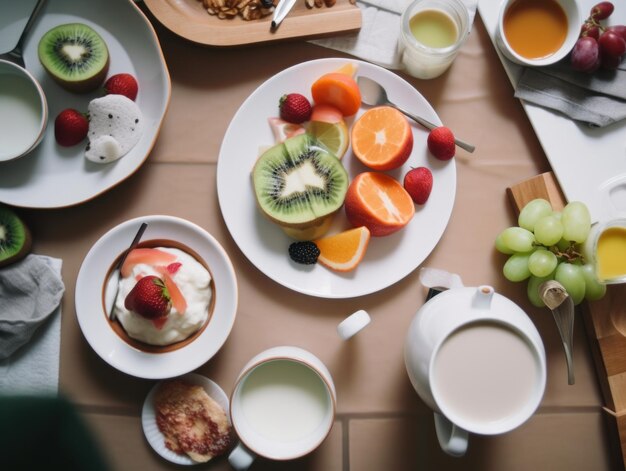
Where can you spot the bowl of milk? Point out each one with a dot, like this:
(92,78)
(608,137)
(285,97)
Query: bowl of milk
(23,111)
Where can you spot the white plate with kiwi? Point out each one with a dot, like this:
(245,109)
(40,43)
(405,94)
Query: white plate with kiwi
(388,259)
(52,176)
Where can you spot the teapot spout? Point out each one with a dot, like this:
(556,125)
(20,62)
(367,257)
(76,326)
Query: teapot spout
(482,297)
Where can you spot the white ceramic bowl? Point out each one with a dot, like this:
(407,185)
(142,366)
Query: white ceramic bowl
(23,111)
(572,10)
(92,316)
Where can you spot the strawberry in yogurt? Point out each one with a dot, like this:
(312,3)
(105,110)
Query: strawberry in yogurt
(164,295)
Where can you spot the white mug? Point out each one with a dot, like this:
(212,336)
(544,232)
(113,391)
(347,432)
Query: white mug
(477,360)
(282,406)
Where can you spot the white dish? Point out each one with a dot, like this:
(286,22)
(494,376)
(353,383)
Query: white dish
(148,417)
(388,259)
(92,316)
(52,176)
(589,163)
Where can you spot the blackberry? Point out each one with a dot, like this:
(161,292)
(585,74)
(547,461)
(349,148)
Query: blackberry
(304,252)
(267,3)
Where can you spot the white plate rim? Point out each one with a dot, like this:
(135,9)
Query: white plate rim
(108,345)
(288,277)
(148,417)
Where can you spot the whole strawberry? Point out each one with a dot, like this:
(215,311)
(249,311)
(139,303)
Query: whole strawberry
(441,143)
(294,108)
(149,298)
(122,84)
(70,127)
(418,182)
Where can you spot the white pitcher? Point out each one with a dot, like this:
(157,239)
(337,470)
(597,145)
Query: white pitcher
(477,360)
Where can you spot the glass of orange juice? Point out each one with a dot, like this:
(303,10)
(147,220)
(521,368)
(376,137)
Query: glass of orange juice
(432,33)
(606,247)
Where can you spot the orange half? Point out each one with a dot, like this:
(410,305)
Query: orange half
(343,251)
(379,202)
(382,138)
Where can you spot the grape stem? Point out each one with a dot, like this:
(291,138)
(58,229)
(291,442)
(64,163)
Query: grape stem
(570,254)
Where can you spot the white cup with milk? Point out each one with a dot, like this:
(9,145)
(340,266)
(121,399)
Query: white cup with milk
(282,406)
(476,359)
(23,111)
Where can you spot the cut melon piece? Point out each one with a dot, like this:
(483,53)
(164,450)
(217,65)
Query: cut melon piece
(282,130)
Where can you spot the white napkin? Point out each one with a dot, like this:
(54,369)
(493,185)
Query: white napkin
(377,40)
(34,368)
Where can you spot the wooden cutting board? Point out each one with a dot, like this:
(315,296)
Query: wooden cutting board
(604,320)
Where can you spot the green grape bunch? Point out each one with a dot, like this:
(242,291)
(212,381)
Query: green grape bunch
(546,245)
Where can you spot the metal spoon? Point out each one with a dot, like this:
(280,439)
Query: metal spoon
(16,54)
(560,303)
(373,94)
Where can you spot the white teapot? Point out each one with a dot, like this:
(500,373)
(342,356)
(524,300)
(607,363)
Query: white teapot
(476,359)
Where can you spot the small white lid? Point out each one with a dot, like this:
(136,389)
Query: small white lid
(353,324)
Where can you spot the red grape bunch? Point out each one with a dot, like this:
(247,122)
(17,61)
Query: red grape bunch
(599,45)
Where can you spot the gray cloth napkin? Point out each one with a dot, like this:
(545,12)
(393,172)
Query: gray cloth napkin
(597,99)
(30,291)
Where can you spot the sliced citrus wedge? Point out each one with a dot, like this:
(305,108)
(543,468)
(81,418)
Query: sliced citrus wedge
(334,136)
(343,251)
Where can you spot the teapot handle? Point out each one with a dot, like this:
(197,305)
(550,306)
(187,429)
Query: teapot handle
(452,438)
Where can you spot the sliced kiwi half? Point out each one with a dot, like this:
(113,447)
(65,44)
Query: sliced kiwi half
(15,240)
(298,183)
(75,56)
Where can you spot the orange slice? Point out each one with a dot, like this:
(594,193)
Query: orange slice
(378,202)
(339,90)
(343,251)
(382,138)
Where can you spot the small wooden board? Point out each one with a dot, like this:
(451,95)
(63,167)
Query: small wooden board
(189,19)
(605,320)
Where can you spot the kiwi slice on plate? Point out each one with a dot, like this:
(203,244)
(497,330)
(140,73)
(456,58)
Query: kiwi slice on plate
(298,183)
(75,56)
(15,240)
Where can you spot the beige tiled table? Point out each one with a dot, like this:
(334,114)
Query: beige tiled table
(381,423)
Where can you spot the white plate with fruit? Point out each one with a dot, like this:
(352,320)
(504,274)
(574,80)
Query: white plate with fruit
(265,228)
(59,173)
(197,278)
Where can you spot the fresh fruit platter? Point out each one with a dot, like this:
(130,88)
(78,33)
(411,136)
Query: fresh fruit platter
(99,60)
(327,196)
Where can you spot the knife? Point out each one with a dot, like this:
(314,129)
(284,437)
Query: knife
(283,7)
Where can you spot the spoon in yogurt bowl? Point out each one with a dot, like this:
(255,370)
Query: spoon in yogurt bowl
(113,286)
(374,94)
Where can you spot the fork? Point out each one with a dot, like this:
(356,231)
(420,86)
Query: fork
(16,54)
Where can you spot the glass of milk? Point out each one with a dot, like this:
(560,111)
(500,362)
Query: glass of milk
(431,35)
(282,406)
(23,111)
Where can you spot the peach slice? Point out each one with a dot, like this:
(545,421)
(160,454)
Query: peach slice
(145,255)
(178,300)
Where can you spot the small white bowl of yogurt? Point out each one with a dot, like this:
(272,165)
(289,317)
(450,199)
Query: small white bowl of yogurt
(23,111)
(206,275)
